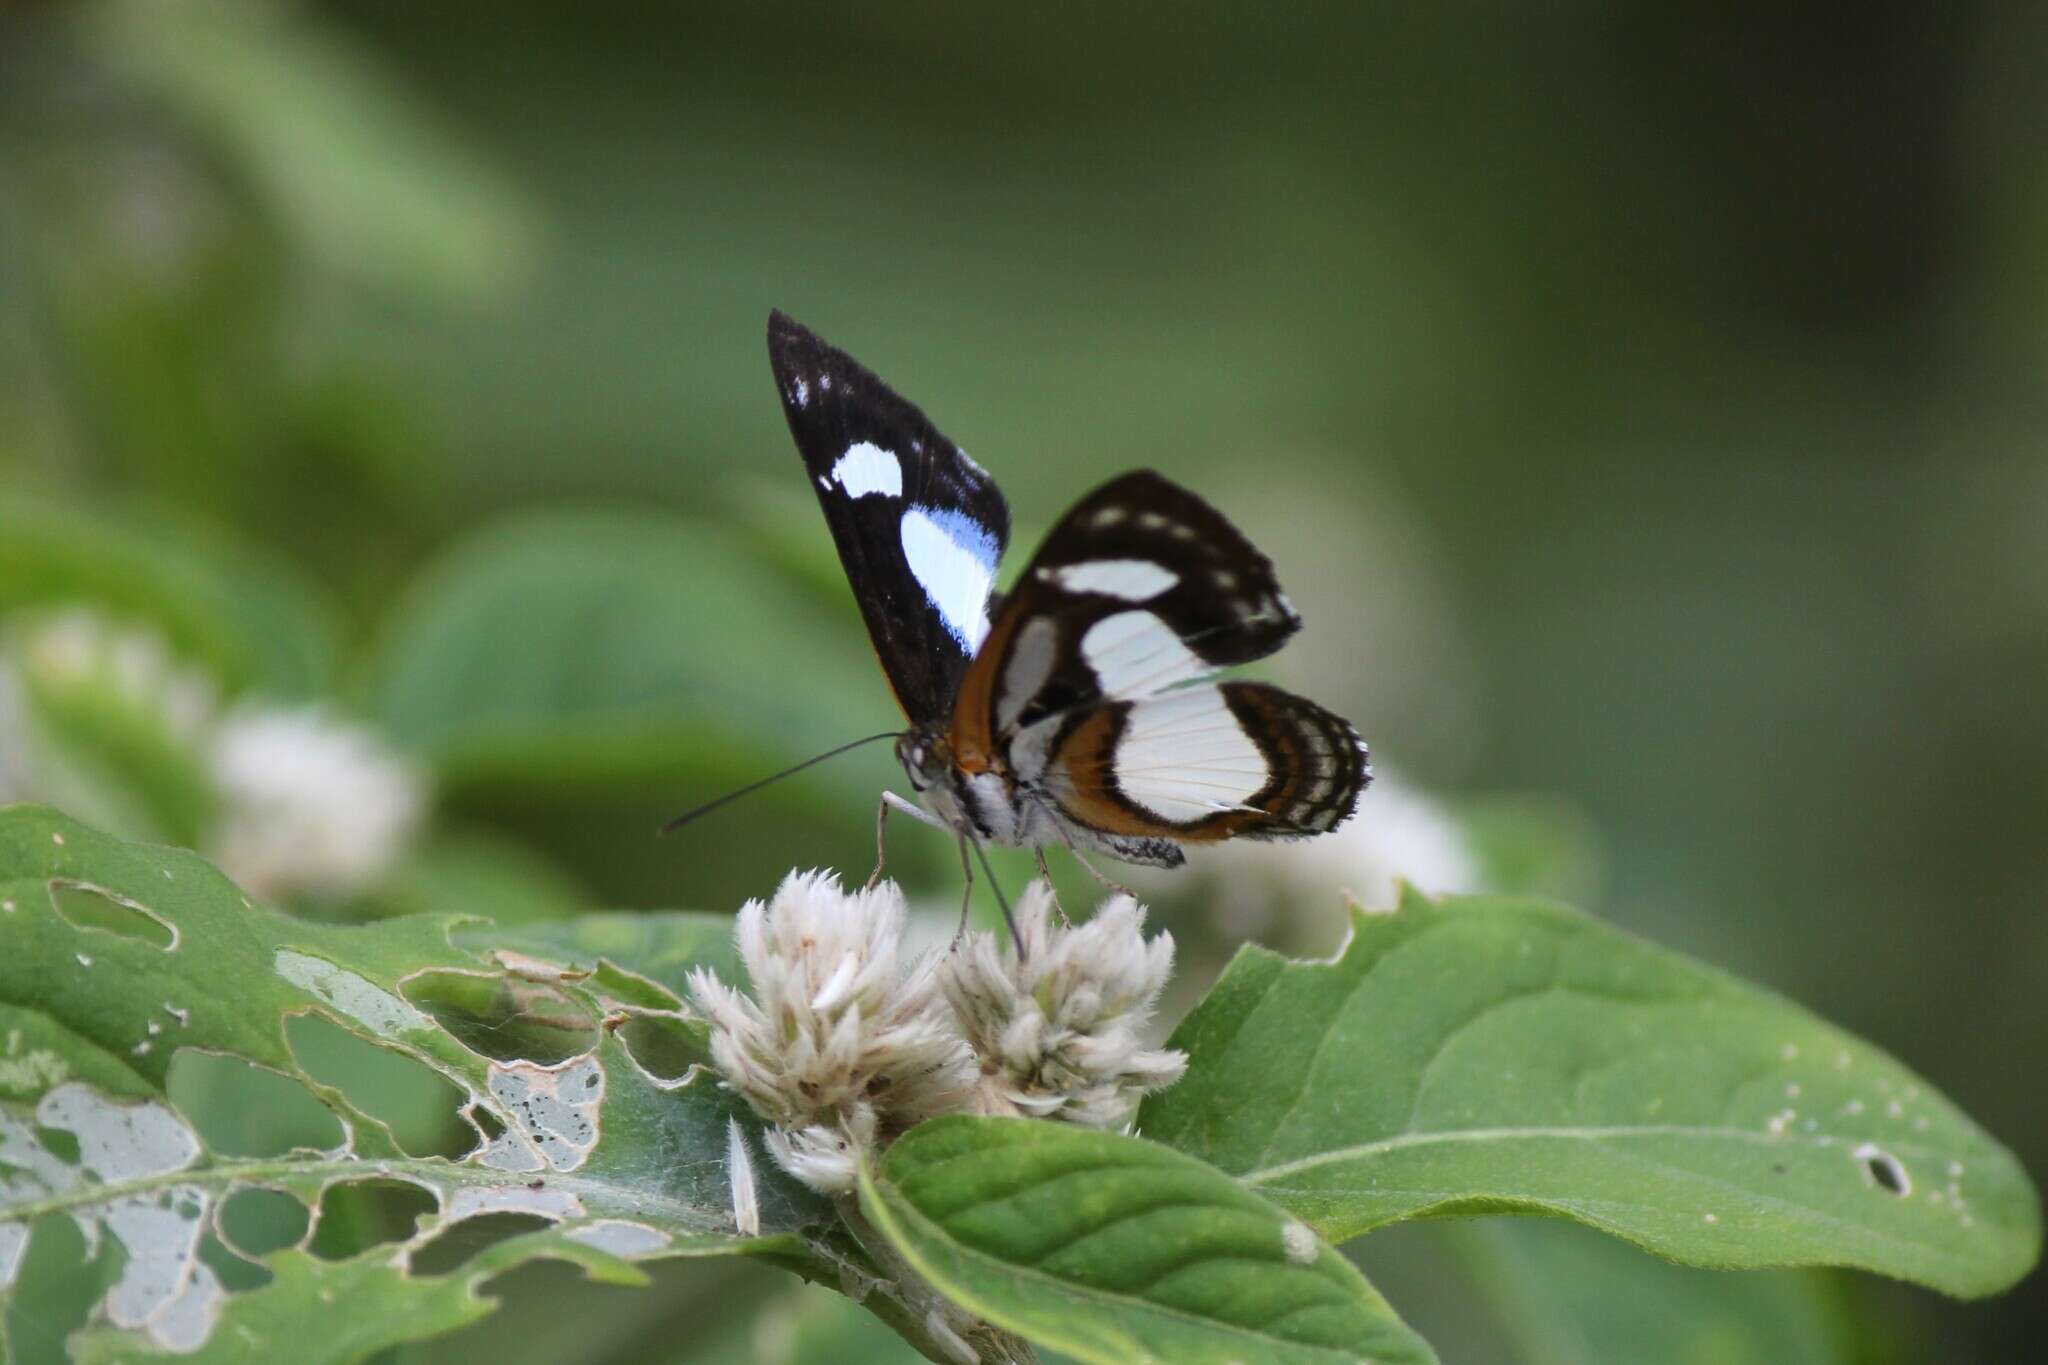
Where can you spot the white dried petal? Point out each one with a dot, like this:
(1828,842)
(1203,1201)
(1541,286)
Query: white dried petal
(842,1038)
(1060,1030)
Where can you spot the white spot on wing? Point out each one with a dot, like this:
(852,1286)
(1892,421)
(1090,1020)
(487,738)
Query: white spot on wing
(1135,654)
(801,394)
(866,468)
(954,561)
(1030,665)
(1185,757)
(1134,580)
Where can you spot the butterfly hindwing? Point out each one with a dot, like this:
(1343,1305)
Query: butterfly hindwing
(1200,764)
(919,526)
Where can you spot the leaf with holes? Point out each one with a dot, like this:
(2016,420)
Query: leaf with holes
(1495,1055)
(1114,1250)
(235,1119)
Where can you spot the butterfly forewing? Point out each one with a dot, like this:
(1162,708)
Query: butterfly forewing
(1141,586)
(919,526)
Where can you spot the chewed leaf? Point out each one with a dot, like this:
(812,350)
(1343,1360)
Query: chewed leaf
(1115,1250)
(1492,1055)
(182,1101)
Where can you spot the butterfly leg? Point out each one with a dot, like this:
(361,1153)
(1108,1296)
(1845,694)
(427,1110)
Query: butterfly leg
(1045,875)
(1115,888)
(891,801)
(1016,939)
(966,888)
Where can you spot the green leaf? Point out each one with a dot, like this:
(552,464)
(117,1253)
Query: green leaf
(367,183)
(1493,1055)
(153,1020)
(608,646)
(1568,1297)
(1115,1250)
(476,873)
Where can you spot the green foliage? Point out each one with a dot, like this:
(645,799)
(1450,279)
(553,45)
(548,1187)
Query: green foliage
(608,646)
(214,1094)
(612,1164)
(1569,1297)
(312,121)
(1488,1055)
(1114,1249)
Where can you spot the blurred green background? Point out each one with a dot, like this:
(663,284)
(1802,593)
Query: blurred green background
(1644,404)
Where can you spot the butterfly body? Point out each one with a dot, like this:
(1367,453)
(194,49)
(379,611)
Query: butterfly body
(1079,709)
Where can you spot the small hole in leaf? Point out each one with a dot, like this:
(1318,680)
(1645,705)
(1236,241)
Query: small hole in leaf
(664,1046)
(237,1274)
(245,1110)
(84,906)
(61,1143)
(356,1215)
(630,989)
(56,1284)
(493,1128)
(416,1102)
(256,1221)
(503,1018)
(461,1244)
(1884,1170)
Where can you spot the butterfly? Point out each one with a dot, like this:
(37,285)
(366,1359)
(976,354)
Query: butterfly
(1081,707)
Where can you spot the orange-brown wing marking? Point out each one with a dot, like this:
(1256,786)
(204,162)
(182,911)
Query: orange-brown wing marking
(974,707)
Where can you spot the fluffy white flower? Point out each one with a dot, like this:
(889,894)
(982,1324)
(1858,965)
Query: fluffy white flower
(310,805)
(57,656)
(1059,1031)
(78,646)
(1400,834)
(844,1042)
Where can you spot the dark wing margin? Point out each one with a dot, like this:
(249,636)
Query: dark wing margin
(919,526)
(1225,603)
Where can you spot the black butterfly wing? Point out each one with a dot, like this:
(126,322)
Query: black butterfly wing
(919,526)
(1139,587)
(1092,687)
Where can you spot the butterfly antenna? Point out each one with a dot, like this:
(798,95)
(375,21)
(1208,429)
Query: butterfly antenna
(687,816)
(997,887)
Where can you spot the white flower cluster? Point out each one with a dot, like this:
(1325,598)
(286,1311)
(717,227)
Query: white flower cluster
(310,805)
(305,804)
(1279,892)
(1059,1031)
(56,656)
(847,1041)
(843,1043)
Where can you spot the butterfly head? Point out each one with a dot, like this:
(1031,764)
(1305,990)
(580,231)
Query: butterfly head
(926,754)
